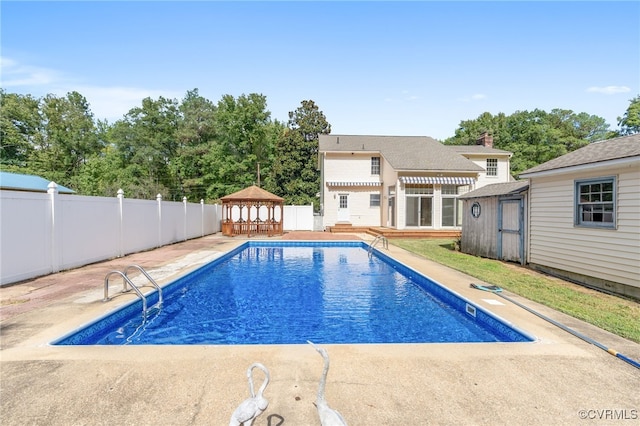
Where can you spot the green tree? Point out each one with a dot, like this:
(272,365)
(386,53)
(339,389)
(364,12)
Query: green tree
(295,175)
(242,143)
(195,136)
(533,137)
(629,123)
(68,138)
(469,130)
(103,175)
(20,124)
(146,140)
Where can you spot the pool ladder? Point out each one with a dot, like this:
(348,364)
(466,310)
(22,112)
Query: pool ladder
(126,280)
(385,243)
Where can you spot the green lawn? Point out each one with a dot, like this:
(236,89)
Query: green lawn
(615,314)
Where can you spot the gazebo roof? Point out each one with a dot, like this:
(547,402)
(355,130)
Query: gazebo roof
(252,193)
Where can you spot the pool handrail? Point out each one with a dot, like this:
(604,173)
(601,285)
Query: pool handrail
(151,280)
(126,280)
(385,243)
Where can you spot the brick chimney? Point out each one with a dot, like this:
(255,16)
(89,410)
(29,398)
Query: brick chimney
(485,140)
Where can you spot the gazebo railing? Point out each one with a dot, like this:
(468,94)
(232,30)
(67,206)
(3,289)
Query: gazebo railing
(252,228)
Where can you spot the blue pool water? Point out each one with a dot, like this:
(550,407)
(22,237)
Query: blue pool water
(291,292)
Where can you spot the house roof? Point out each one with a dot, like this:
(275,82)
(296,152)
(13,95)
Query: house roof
(505,188)
(32,183)
(477,149)
(402,152)
(596,152)
(252,193)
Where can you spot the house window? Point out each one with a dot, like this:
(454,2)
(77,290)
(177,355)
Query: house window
(492,167)
(595,203)
(418,189)
(451,206)
(449,190)
(375,165)
(419,205)
(374,200)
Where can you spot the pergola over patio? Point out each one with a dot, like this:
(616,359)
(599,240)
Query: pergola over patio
(252,211)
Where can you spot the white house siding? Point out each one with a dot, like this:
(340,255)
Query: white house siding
(360,214)
(611,255)
(504,174)
(389,177)
(347,167)
(355,166)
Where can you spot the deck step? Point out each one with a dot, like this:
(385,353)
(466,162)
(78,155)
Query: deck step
(393,233)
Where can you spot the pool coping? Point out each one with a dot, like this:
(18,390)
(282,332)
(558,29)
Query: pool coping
(551,380)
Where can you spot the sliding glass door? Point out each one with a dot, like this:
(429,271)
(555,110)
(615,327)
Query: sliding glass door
(419,211)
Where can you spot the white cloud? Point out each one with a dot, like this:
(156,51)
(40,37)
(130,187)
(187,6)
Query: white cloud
(609,90)
(15,74)
(404,95)
(474,97)
(111,103)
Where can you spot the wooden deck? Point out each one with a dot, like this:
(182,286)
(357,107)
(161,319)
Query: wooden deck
(393,233)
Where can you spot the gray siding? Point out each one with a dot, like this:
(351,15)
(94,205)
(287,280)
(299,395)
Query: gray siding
(479,235)
(610,255)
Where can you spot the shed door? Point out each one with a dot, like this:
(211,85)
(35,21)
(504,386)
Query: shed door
(510,231)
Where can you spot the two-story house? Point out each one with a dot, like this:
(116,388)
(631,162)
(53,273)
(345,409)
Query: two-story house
(403,182)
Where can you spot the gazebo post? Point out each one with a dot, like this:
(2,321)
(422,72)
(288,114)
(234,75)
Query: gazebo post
(249,204)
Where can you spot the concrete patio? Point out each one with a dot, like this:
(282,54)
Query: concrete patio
(558,379)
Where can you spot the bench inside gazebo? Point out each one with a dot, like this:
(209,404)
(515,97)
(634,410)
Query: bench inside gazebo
(252,211)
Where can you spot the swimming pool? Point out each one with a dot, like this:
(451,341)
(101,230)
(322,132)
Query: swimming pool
(290,292)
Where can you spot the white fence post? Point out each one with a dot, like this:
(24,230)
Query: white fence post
(121,222)
(159,200)
(52,190)
(202,217)
(184,222)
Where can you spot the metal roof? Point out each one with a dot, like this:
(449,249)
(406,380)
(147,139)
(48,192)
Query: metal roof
(415,153)
(32,183)
(595,152)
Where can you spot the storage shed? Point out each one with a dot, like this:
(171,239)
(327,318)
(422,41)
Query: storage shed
(493,221)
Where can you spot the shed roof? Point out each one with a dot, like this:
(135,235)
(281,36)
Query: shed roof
(495,189)
(252,193)
(595,152)
(32,183)
(402,152)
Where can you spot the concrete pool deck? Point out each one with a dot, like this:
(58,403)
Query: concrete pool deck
(558,379)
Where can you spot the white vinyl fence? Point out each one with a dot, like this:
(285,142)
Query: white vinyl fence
(43,233)
(298,218)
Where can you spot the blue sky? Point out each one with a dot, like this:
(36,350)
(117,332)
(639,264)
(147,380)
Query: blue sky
(384,68)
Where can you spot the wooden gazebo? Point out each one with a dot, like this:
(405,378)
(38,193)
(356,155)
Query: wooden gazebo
(252,211)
